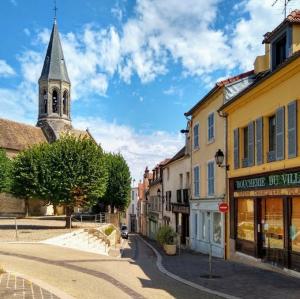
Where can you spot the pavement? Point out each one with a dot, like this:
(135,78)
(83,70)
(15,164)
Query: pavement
(15,287)
(87,275)
(231,278)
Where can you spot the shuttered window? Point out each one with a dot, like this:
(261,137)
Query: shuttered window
(280,133)
(210,178)
(196,136)
(251,144)
(259,141)
(210,126)
(292,129)
(196,181)
(236,149)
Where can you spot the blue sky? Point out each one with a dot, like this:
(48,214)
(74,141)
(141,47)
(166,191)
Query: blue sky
(135,66)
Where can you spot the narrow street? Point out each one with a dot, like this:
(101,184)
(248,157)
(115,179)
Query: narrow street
(86,275)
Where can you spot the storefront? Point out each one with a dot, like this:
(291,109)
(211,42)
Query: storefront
(207,227)
(182,212)
(265,217)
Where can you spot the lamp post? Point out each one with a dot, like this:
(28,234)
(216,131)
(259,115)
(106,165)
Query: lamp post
(219,158)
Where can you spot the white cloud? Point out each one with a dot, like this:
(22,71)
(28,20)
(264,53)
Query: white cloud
(139,149)
(5,69)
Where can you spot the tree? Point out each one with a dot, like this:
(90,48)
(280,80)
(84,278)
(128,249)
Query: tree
(118,186)
(5,172)
(31,174)
(70,172)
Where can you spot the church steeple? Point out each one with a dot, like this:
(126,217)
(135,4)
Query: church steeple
(54,90)
(54,65)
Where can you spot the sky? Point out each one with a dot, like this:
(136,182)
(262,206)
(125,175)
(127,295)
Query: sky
(135,65)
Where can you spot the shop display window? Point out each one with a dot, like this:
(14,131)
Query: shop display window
(217,228)
(245,219)
(295,225)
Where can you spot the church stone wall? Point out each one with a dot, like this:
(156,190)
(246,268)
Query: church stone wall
(11,206)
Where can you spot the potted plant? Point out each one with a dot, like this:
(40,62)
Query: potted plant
(166,236)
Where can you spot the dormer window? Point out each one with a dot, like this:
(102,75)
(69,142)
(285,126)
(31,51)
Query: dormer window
(280,50)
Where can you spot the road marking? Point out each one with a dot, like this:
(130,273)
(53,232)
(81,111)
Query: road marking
(163,270)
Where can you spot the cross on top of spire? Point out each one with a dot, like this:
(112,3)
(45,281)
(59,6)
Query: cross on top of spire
(55,10)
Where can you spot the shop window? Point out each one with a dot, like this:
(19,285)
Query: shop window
(272,138)
(217,228)
(295,225)
(245,219)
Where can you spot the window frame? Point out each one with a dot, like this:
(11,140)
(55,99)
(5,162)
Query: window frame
(210,162)
(194,182)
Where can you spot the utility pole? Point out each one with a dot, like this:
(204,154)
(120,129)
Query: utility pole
(285,6)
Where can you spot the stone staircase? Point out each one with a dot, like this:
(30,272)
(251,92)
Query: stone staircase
(90,240)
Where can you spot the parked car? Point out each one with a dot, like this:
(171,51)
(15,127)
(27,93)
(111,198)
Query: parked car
(124,232)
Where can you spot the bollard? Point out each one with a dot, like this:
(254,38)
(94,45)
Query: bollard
(16,224)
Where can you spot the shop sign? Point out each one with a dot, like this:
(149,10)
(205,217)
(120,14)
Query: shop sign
(178,208)
(268,192)
(287,179)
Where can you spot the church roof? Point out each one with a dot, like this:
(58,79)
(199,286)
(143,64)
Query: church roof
(19,136)
(54,65)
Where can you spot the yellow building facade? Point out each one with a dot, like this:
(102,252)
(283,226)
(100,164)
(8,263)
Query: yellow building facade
(208,188)
(264,154)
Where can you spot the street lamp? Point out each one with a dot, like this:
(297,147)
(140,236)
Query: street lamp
(219,158)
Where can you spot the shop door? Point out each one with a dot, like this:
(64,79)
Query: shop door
(270,230)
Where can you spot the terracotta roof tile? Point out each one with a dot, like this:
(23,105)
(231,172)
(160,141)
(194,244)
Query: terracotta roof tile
(18,136)
(235,78)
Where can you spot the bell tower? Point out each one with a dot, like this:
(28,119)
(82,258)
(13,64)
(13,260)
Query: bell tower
(54,90)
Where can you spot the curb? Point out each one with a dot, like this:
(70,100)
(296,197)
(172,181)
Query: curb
(44,285)
(163,270)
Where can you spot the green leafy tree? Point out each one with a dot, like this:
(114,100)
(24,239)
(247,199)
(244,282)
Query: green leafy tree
(5,172)
(70,172)
(118,187)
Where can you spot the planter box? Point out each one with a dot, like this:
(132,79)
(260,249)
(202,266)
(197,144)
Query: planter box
(170,249)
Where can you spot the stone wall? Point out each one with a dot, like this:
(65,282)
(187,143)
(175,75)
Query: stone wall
(10,205)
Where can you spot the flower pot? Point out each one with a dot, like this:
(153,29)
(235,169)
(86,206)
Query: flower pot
(170,249)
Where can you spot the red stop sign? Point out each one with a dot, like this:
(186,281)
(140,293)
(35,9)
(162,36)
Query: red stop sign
(223,207)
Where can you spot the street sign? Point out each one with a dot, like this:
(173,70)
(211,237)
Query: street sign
(223,207)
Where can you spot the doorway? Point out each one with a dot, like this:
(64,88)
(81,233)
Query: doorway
(270,230)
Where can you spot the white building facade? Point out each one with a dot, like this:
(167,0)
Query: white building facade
(132,212)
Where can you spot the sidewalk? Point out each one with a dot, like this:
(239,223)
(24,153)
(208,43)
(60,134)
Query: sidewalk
(234,278)
(14,287)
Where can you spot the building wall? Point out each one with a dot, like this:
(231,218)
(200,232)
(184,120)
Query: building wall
(171,182)
(277,91)
(132,211)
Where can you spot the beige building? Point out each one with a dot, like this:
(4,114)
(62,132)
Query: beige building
(176,188)
(207,224)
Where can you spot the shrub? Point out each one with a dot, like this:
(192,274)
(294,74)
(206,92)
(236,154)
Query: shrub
(166,235)
(109,230)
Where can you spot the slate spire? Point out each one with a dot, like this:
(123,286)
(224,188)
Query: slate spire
(54,65)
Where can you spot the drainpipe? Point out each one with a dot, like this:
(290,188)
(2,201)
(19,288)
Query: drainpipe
(224,115)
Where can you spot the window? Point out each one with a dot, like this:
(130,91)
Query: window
(210,126)
(245,219)
(187,180)
(54,101)
(272,133)
(246,143)
(196,136)
(45,102)
(196,181)
(132,195)
(295,225)
(180,181)
(217,228)
(65,102)
(132,209)
(196,225)
(280,50)
(210,178)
